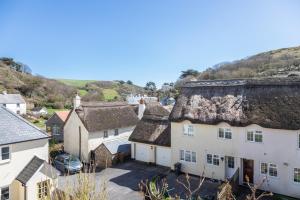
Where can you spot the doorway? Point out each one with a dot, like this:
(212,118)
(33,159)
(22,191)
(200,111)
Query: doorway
(248,166)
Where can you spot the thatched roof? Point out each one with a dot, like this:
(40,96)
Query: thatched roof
(270,102)
(99,116)
(154,127)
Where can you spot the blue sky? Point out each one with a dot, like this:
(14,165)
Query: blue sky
(141,40)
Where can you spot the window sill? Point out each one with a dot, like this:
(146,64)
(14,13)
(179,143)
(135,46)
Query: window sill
(4,161)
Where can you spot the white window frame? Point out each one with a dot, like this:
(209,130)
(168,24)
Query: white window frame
(225,131)
(188,129)
(254,134)
(231,162)
(265,163)
(6,160)
(214,157)
(105,134)
(294,169)
(183,154)
(8,191)
(43,189)
(116,132)
(55,130)
(276,167)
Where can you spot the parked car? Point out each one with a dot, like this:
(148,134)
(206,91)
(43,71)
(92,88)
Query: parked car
(67,163)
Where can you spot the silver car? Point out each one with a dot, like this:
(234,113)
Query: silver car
(67,164)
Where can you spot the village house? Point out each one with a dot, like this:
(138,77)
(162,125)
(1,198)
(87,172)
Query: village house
(55,125)
(39,111)
(91,124)
(243,127)
(151,139)
(13,102)
(24,171)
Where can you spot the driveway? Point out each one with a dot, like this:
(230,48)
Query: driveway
(122,180)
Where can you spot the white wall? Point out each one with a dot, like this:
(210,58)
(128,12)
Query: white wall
(21,154)
(71,137)
(14,108)
(32,189)
(278,147)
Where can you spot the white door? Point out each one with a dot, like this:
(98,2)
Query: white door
(142,152)
(163,156)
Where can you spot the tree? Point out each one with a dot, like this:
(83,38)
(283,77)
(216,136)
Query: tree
(129,82)
(150,86)
(189,72)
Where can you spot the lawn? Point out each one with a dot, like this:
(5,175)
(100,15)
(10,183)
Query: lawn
(110,94)
(51,111)
(39,123)
(75,83)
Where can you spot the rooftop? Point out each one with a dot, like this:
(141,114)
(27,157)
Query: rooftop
(14,129)
(11,99)
(268,102)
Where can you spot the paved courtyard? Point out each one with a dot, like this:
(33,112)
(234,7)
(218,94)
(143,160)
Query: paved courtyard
(123,179)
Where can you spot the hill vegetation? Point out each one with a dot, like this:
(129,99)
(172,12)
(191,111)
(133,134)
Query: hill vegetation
(276,63)
(58,94)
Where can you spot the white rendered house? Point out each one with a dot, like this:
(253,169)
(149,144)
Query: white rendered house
(24,171)
(13,102)
(240,127)
(151,138)
(90,124)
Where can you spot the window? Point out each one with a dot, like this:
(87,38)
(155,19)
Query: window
(194,157)
(18,105)
(209,158)
(230,162)
(5,153)
(258,136)
(188,156)
(272,170)
(55,130)
(181,154)
(297,175)
(216,160)
(4,105)
(188,129)
(263,168)
(18,112)
(254,136)
(43,189)
(105,134)
(225,133)
(116,131)
(212,159)
(5,193)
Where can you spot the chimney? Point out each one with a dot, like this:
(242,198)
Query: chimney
(4,92)
(142,108)
(76,101)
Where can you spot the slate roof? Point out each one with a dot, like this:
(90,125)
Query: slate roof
(154,127)
(98,116)
(14,129)
(11,99)
(268,102)
(118,145)
(30,169)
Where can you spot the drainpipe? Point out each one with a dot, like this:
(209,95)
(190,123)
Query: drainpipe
(25,191)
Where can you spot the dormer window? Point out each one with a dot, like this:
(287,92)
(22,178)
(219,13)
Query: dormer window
(225,133)
(105,135)
(116,132)
(188,129)
(254,136)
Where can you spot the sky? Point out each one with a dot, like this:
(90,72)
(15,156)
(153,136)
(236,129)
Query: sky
(141,40)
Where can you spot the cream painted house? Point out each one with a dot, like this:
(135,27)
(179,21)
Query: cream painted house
(13,102)
(151,138)
(23,155)
(90,124)
(245,127)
